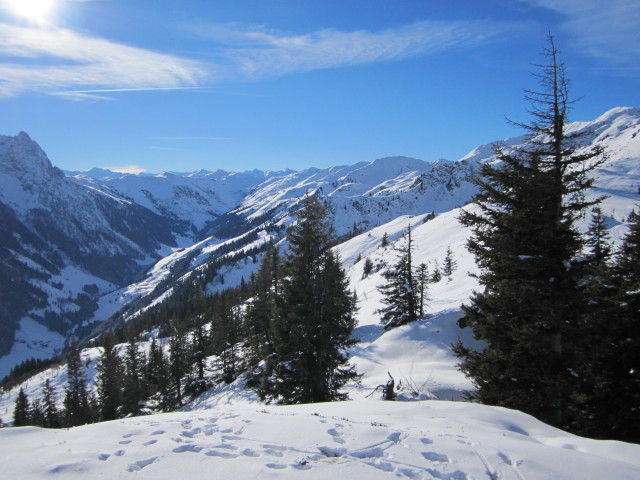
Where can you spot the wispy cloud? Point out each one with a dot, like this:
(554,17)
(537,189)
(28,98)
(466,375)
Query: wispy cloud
(608,30)
(55,60)
(81,67)
(133,169)
(258,52)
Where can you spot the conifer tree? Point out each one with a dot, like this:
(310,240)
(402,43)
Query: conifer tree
(157,376)
(614,380)
(449,265)
(261,313)
(108,380)
(22,410)
(598,239)
(199,348)
(133,385)
(400,293)
(178,365)
(422,279)
(313,330)
(51,413)
(78,405)
(526,245)
(36,413)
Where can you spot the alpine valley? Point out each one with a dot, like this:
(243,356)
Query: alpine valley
(86,252)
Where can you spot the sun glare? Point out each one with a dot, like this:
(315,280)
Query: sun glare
(36,10)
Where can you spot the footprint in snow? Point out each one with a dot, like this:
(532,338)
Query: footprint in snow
(436,457)
(124,442)
(140,464)
(119,453)
(336,435)
(426,441)
(103,456)
(247,452)
(217,453)
(187,448)
(276,466)
(158,432)
(150,442)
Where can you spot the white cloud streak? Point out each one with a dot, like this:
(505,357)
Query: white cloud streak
(53,59)
(257,52)
(604,29)
(80,67)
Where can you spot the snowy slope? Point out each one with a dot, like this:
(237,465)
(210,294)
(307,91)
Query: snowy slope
(362,439)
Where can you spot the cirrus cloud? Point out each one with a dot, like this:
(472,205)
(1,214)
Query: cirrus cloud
(52,60)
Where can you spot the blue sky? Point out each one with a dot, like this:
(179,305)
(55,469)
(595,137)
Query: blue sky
(162,85)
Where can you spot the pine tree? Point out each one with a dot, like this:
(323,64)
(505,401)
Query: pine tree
(22,410)
(598,239)
(262,311)
(313,330)
(367,268)
(400,294)
(198,351)
(422,280)
(614,382)
(108,380)
(78,405)
(51,414)
(157,376)
(178,365)
(525,242)
(449,265)
(133,385)
(36,413)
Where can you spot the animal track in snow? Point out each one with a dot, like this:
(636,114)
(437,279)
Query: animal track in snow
(140,464)
(435,457)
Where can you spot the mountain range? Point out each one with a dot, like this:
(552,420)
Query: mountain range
(81,250)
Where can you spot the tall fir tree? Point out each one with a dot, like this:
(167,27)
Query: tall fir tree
(133,384)
(400,291)
(51,413)
(313,329)
(613,400)
(157,376)
(22,410)
(109,372)
(78,404)
(529,314)
(262,312)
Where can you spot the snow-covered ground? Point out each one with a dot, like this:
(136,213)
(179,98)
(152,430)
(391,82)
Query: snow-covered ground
(360,439)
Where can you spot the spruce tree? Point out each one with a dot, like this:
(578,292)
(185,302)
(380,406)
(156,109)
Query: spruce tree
(400,293)
(313,329)
(157,376)
(108,380)
(526,245)
(51,413)
(614,386)
(22,410)
(178,365)
(78,405)
(261,313)
(449,265)
(133,384)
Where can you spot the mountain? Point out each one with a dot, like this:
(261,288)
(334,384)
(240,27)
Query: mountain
(87,247)
(63,245)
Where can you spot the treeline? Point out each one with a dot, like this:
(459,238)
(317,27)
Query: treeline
(287,328)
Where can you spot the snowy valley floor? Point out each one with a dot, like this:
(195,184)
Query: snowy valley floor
(358,439)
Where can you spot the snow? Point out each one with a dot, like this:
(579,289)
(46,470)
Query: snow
(359,439)
(32,340)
